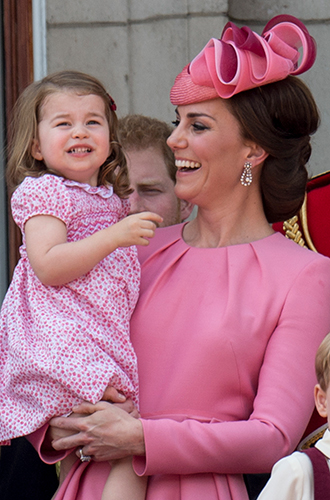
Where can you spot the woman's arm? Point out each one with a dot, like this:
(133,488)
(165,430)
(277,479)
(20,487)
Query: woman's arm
(282,406)
(283,402)
(56,261)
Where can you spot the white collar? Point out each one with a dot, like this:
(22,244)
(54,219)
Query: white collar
(323,444)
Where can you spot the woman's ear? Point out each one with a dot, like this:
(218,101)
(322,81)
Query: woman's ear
(257,155)
(35,150)
(320,401)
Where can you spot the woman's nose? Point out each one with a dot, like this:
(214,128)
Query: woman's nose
(177,139)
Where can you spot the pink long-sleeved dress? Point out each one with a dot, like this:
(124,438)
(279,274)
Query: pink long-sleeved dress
(225,339)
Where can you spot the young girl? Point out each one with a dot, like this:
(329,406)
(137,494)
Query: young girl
(64,330)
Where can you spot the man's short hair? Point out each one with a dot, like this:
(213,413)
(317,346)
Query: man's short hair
(141,132)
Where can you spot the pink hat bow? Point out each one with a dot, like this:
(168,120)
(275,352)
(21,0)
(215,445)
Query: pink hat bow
(242,59)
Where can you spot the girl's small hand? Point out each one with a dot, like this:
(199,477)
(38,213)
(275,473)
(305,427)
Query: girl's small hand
(136,229)
(113,396)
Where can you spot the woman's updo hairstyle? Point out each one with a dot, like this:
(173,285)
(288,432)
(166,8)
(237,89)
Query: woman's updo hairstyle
(280,117)
(256,75)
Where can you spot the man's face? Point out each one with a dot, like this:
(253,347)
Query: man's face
(153,187)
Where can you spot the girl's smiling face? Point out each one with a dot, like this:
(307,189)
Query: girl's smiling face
(209,150)
(73,136)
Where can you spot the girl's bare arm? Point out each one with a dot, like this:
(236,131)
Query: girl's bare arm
(56,261)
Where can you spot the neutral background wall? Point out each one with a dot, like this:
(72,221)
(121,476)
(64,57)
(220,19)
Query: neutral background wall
(137,47)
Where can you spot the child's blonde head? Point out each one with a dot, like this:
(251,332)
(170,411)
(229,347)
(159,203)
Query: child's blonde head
(24,129)
(322,363)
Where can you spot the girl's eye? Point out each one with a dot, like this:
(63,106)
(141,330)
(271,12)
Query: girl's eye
(62,124)
(93,122)
(176,123)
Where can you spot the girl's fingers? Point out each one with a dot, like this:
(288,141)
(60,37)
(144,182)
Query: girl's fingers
(151,216)
(112,395)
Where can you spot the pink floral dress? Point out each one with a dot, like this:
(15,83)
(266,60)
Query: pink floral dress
(63,344)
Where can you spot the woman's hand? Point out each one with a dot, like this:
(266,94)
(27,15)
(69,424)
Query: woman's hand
(106,432)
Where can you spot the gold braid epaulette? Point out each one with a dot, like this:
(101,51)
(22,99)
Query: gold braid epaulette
(292,231)
(291,228)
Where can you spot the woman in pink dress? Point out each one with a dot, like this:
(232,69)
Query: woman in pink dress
(230,314)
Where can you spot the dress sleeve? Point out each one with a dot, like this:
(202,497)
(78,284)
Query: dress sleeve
(291,478)
(282,406)
(46,195)
(37,439)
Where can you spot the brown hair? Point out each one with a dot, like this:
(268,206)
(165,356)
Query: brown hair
(280,117)
(24,129)
(322,363)
(142,132)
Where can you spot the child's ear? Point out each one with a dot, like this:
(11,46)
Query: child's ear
(35,150)
(320,401)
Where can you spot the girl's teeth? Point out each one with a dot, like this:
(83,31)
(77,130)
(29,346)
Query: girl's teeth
(80,150)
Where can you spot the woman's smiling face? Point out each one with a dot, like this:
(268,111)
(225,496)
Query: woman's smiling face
(209,149)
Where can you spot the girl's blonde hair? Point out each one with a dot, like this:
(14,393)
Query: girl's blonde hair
(322,363)
(24,129)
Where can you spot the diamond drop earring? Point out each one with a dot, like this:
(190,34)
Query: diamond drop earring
(246,177)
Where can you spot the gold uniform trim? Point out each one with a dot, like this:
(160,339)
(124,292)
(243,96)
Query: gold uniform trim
(292,230)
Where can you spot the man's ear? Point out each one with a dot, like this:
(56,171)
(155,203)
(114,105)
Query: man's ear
(320,401)
(35,150)
(185,209)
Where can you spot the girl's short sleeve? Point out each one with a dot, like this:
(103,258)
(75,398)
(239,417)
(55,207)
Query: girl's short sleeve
(46,195)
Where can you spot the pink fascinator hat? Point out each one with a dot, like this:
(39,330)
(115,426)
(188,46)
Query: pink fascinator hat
(241,59)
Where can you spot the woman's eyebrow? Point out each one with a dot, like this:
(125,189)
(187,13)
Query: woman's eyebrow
(195,114)
(198,115)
